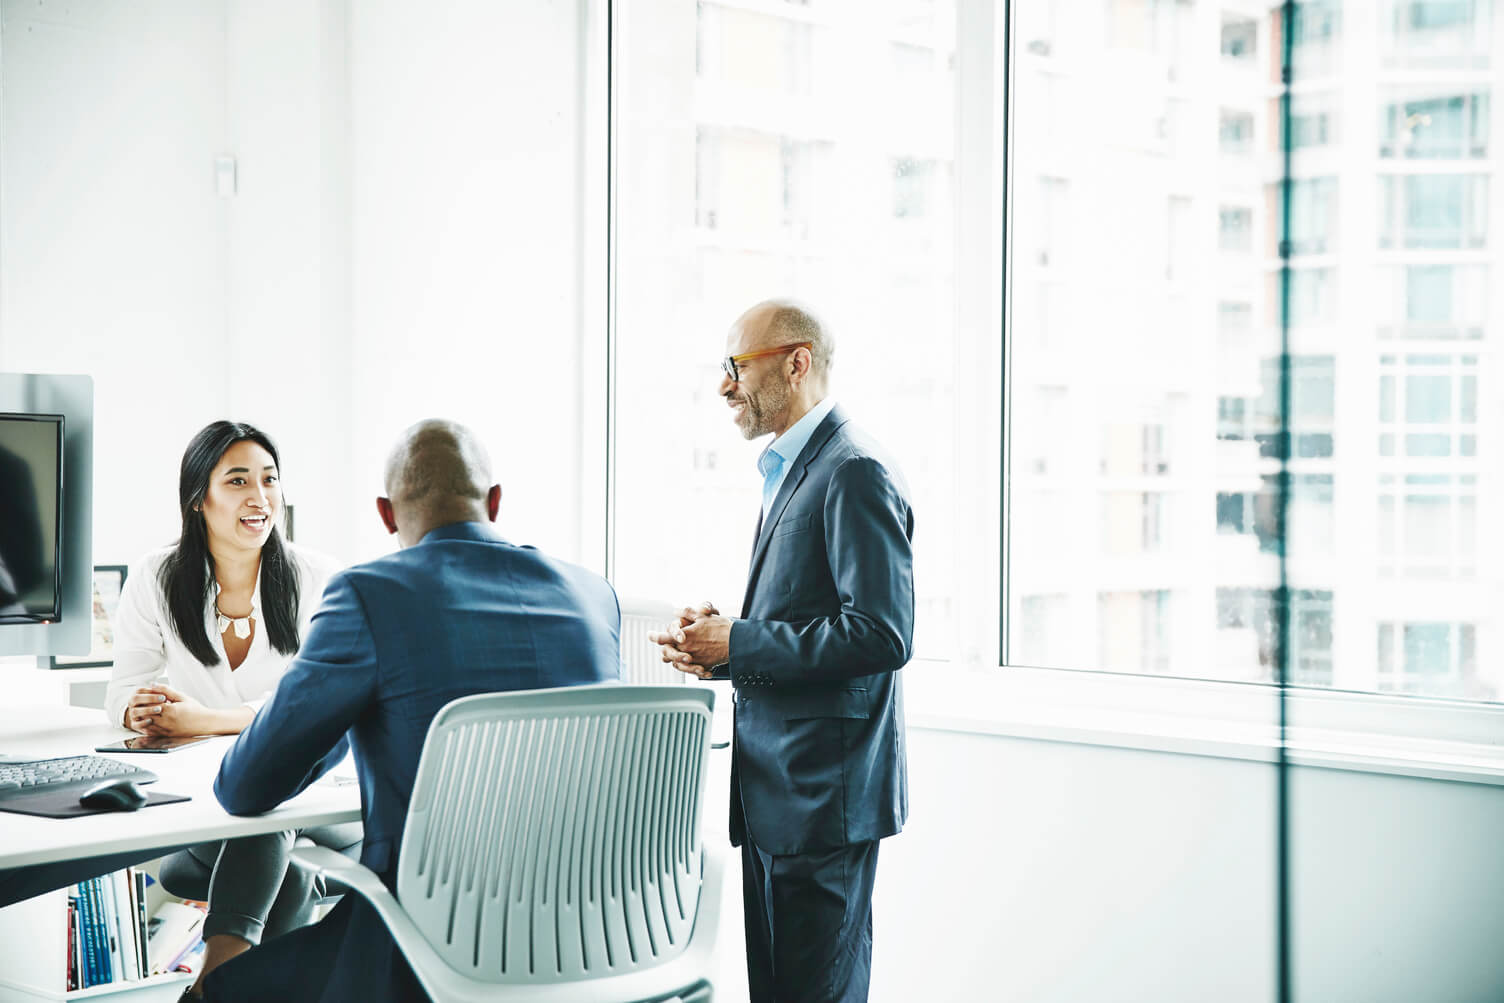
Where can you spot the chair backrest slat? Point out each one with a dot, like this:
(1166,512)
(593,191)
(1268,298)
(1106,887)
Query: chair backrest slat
(555,834)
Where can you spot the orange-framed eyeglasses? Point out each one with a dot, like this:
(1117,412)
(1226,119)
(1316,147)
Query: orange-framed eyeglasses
(729,363)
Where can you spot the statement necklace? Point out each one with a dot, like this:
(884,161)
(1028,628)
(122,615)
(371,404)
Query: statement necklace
(242,624)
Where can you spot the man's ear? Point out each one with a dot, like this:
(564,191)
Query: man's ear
(801,361)
(388,517)
(493,502)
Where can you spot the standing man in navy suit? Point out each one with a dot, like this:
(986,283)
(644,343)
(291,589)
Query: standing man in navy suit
(818,771)
(458,610)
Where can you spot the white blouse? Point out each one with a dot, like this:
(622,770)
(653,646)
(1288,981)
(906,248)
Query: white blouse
(147,648)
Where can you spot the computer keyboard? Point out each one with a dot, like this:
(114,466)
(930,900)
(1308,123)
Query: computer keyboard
(36,776)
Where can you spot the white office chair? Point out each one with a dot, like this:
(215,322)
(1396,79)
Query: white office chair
(552,852)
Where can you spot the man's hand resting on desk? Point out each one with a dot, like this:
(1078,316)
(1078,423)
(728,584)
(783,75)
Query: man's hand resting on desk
(700,640)
(162,710)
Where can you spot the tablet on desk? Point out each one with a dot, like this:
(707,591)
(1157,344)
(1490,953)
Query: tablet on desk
(153,743)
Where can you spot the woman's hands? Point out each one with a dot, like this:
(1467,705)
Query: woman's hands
(161,710)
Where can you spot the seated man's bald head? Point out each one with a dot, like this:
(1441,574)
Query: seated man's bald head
(438,473)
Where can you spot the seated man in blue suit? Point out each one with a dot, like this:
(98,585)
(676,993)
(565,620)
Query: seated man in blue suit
(458,610)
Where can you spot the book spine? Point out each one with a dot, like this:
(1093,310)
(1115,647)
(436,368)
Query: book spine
(86,932)
(72,943)
(78,943)
(112,928)
(125,919)
(106,970)
(138,885)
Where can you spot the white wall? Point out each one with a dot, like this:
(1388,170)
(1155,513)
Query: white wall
(466,265)
(1046,871)
(405,240)
(112,242)
(287,308)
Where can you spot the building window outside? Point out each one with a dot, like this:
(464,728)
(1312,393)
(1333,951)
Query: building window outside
(1313,218)
(1135,450)
(1436,658)
(1438,124)
(1436,34)
(1312,293)
(1240,36)
(1434,302)
(1235,133)
(747,50)
(1313,122)
(1428,526)
(1246,640)
(1135,631)
(1235,228)
(1316,37)
(1433,211)
(1313,406)
(1044,623)
(1428,406)
(1135,522)
(1233,416)
(1054,198)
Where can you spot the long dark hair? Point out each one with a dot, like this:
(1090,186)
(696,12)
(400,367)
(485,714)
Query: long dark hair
(186,573)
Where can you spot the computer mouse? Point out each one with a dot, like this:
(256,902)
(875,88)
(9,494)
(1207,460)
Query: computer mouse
(114,795)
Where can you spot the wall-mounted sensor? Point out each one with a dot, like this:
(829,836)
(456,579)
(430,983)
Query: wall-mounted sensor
(224,176)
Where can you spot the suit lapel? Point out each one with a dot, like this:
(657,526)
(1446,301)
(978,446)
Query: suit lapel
(807,455)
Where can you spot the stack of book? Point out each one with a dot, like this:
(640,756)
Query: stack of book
(107,930)
(111,940)
(174,938)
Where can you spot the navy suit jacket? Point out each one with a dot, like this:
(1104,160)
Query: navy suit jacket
(393,641)
(818,758)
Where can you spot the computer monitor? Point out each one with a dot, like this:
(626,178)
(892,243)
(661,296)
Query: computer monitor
(48,420)
(31,518)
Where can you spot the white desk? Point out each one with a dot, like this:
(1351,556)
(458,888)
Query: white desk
(26,840)
(33,940)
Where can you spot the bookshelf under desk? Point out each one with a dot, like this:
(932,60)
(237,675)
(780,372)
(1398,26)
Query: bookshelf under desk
(34,932)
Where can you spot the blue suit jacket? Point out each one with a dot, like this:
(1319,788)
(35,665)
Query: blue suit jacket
(396,639)
(818,756)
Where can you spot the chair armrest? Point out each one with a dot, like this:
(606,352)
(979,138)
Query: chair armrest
(363,881)
(332,864)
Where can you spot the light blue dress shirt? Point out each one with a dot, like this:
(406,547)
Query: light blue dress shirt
(776,461)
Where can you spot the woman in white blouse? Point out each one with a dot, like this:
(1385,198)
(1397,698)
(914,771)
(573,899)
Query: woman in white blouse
(203,632)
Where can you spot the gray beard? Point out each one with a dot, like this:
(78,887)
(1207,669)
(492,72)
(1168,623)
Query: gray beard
(774,399)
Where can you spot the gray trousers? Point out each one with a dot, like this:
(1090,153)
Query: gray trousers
(253,889)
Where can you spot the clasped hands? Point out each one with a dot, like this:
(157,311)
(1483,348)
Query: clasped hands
(161,710)
(697,642)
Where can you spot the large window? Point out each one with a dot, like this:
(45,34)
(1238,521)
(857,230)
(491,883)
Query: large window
(1388,355)
(1221,368)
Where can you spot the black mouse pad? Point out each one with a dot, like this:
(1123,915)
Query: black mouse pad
(64,804)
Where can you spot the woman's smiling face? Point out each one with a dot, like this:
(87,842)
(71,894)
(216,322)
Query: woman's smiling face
(244,498)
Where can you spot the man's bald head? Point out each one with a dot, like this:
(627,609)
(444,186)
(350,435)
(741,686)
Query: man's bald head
(438,473)
(776,322)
